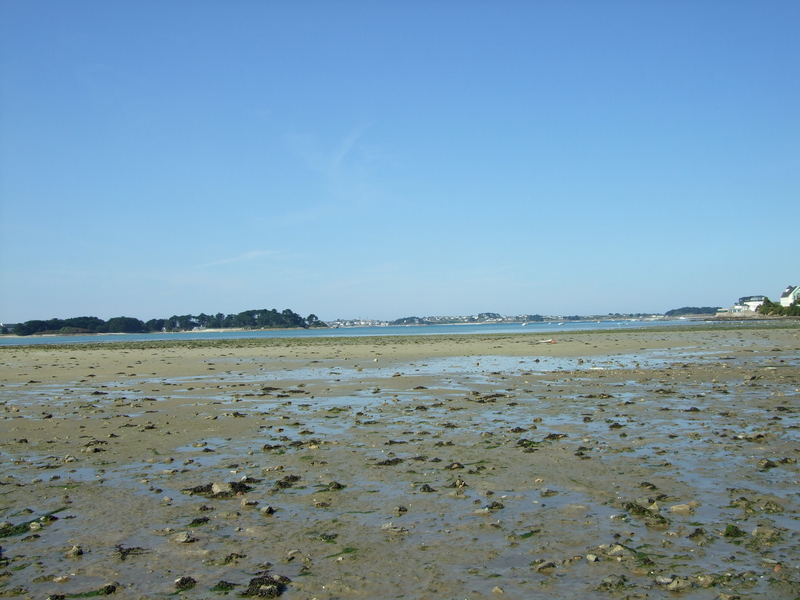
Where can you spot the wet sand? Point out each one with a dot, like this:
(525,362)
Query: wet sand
(630,464)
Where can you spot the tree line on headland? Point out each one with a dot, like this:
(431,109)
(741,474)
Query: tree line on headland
(778,310)
(249,319)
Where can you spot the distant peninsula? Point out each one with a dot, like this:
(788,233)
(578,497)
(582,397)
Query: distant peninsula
(249,319)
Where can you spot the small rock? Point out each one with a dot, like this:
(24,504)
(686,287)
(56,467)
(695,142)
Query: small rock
(684,509)
(761,532)
(221,488)
(184,537)
(74,551)
(732,531)
(592,558)
(185,583)
(704,581)
(393,528)
(547,492)
(267,510)
(679,583)
(498,590)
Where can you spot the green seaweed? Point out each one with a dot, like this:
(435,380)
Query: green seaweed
(223,586)
(25,527)
(345,551)
(106,590)
(531,533)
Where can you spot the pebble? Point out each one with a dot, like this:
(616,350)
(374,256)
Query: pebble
(684,509)
(185,583)
(679,583)
(221,488)
(393,528)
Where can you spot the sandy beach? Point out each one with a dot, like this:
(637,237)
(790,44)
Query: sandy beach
(624,464)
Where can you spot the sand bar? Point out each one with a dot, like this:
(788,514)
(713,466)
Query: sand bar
(633,464)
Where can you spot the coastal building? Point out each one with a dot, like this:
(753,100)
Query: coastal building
(746,305)
(790,295)
(751,303)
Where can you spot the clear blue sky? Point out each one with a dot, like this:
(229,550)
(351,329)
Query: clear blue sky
(386,159)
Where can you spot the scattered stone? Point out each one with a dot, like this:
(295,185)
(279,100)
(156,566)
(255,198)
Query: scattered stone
(266,586)
(766,534)
(458,483)
(545,565)
(732,531)
(185,583)
(224,586)
(772,507)
(684,509)
(678,584)
(183,537)
(426,488)
(547,492)
(612,583)
(393,528)
(124,553)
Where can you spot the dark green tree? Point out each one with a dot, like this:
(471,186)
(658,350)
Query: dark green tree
(125,325)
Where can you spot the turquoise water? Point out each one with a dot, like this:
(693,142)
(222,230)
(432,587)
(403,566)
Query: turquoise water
(534,328)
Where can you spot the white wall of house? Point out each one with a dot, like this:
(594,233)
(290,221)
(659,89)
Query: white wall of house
(792,296)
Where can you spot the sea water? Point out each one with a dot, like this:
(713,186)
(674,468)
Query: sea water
(456,329)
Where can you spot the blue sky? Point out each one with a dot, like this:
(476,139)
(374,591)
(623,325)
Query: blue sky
(387,159)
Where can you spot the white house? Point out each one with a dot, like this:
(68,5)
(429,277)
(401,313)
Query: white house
(790,295)
(751,303)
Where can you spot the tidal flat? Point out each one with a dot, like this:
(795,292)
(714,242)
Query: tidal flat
(614,464)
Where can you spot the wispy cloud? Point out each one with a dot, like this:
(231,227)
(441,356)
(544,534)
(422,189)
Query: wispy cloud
(252,255)
(345,170)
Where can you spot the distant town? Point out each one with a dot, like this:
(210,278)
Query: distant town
(788,305)
(490,317)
